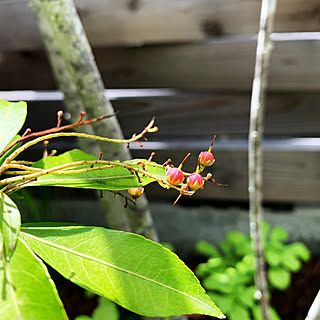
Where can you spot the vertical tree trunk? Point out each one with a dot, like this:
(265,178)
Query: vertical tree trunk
(264,47)
(78,78)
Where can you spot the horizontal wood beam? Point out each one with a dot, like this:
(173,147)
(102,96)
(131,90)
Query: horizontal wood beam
(187,121)
(137,22)
(193,115)
(225,64)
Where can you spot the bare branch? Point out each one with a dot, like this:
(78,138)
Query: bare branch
(264,47)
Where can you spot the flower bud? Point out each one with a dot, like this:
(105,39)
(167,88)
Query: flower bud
(206,159)
(195,181)
(136,192)
(174,176)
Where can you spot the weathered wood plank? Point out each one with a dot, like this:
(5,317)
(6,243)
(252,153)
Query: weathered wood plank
(225,64)
(136,22)
(193,115)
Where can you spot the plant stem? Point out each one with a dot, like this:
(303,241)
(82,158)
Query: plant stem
(263,52)
(78,77)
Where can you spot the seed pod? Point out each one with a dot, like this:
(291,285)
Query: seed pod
(206,159)
(174,176)
(136,192)
(195,181)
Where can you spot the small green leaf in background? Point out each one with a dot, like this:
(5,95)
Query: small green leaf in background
(278,234)
(207,249)
(299,250)
(12,117)
(225,301)
(257,313)
(10,221)
(27,291)
(279,278)
(246,295)
(219,282)
(290,261)
(238,312)
(106,310)
(113,178)
(273,255)
(130,270)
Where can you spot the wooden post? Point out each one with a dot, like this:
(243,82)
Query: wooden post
(263,52)
(78,78)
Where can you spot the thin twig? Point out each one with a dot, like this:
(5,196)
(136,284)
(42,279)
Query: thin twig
(42,137)
(27,135)
(264,47)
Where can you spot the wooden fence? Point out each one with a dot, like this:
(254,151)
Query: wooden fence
(201,54)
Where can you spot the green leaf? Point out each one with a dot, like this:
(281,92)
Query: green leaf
(257,313)
(246,295)
(221,282)
(207,249)
(279,278)
(113,178)
(273,255)
(106,309)
(290,261)
(10,221)
(126,268)
(238,312)
(299,250)
(27,291)
(7,154)
(274,315)
(278,234)
(225,301)
(12,117)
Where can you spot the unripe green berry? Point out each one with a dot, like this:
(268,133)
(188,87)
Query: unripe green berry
(206,158)
(136,192)
(174,176)
(195,181)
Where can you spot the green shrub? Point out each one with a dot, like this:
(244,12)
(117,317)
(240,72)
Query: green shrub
(228,275)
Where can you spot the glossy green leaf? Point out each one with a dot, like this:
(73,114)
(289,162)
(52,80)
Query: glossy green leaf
(279,278)
(12,117)
(3,158)
(27,291)
(10,221)
(130,270)
(113,178)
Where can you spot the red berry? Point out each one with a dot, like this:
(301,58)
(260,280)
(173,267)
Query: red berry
(174,176)
(206,158)
(136,192)
(195,181)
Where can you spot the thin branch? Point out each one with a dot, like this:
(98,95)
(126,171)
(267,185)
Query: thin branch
(42,137)
(264,47)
